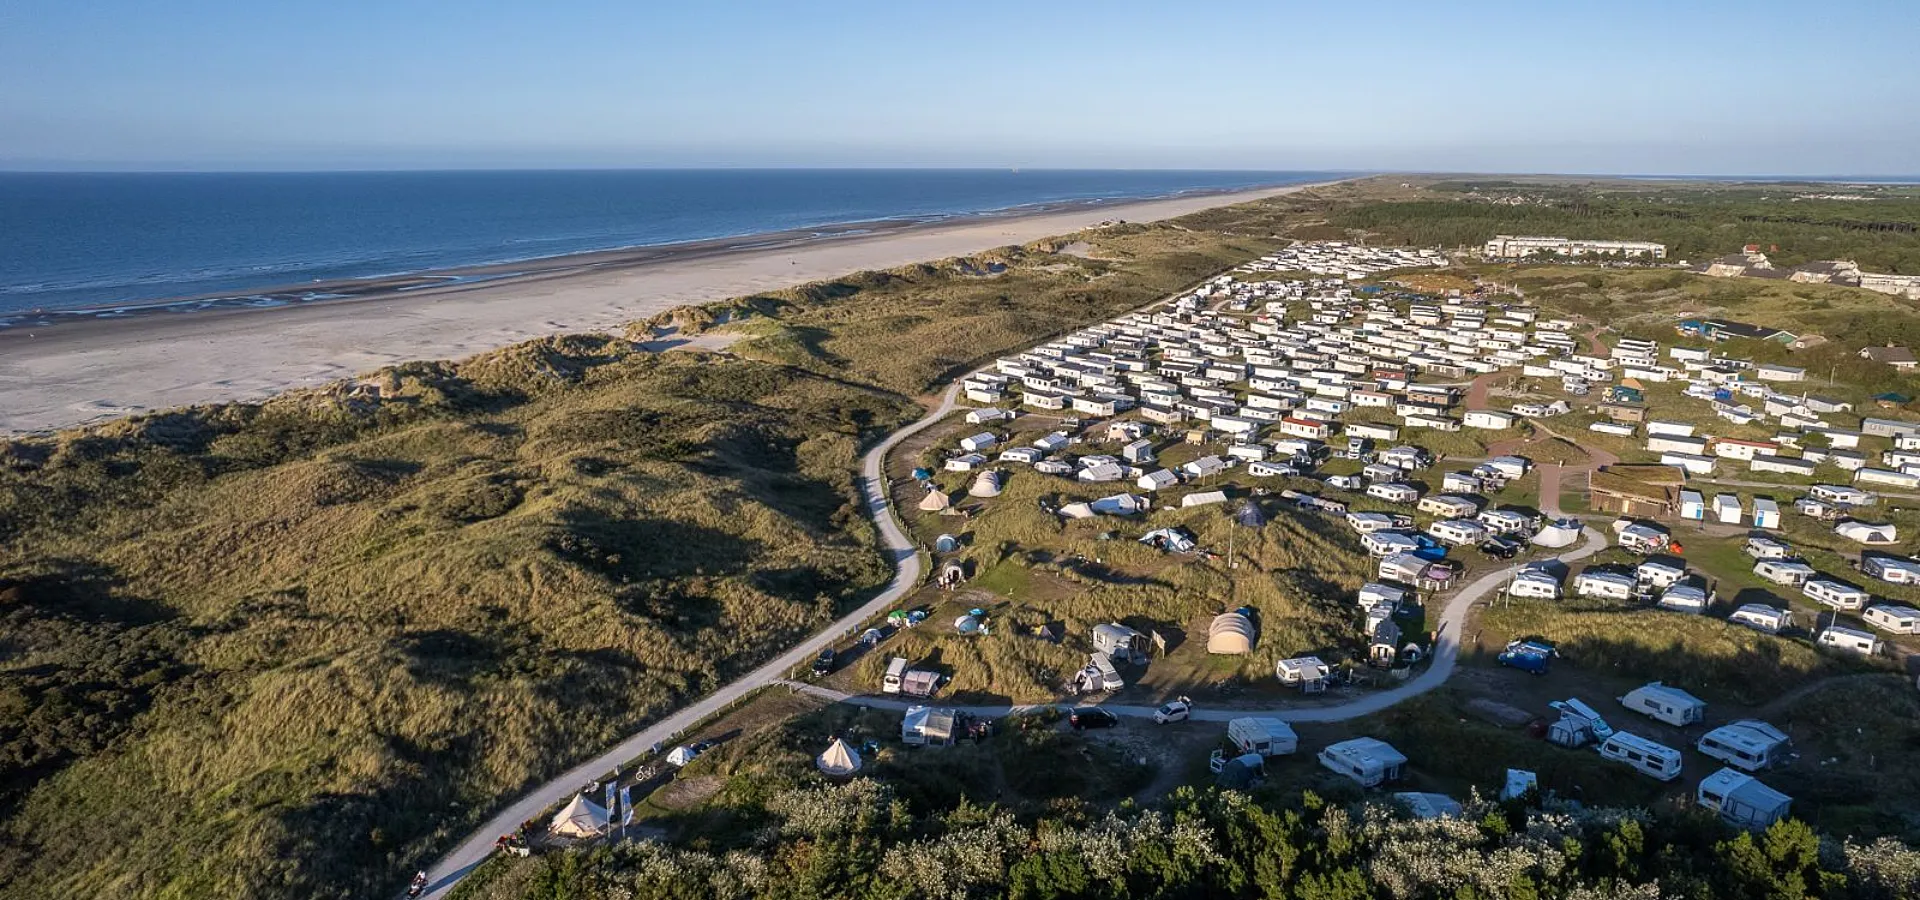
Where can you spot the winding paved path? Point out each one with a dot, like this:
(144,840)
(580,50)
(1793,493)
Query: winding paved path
(1446,653)
(906,577)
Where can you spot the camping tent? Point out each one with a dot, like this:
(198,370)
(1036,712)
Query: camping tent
(839,761)
(1230,633)
(1173,539)
(986,484)
(967,625)
(1558,534)
(1250,515)
(935,501)
(946,543)
(582,818)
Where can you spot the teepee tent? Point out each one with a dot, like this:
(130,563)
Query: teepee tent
(1558,534)
(582,818)
(1250,515)
(839,761)
(935,501)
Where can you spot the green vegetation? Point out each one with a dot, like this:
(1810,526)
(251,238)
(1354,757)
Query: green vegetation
(1695,222)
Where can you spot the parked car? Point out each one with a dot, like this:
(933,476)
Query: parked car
(1085,717)
(823,664)
(1500,548)
(1531,656)
(1173,711)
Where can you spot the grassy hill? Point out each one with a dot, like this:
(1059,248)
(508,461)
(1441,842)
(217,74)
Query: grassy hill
(294,649)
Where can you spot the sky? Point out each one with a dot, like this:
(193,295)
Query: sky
(1634,87)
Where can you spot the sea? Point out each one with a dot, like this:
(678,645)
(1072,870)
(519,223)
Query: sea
(110,243)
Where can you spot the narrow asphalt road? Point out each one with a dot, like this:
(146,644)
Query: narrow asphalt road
(1446,653)
(906,576)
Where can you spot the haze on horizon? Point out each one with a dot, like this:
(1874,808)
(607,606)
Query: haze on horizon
(1642,87)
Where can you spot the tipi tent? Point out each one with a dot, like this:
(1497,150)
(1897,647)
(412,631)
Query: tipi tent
(582,818)
(1250,515)
(839,761)
(1231,633)
(935,501)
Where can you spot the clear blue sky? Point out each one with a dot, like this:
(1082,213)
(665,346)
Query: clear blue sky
(1704,86)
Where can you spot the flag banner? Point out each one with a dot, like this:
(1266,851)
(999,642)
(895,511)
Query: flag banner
(626,805)
(612,787)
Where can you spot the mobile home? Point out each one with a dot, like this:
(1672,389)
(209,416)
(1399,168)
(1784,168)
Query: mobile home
(1665,704)
(1741,800)
(1761,617)
(1749,745)
(1458,532)
(1849,639)
(1648,758)
(1368,761)
(1788,572)
(1535,583)
(1394,492)
(1265,736)
(1604,585)
(1837,594)
(1767,548)
(1893,617)
(1685,598)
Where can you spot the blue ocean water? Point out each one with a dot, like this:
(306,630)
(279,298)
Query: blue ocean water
(82,240)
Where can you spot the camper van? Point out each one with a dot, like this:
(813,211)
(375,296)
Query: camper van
(1665,704)
(1265,736)
(1648,758)
(1839,595)
(1368,761)
(1761,617)
(1579,709)
(1849,639)
(1893,617)
(1749,745)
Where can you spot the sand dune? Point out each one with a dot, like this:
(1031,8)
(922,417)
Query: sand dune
(87,371)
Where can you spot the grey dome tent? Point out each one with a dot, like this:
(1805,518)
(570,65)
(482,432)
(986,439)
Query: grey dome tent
(1250,515)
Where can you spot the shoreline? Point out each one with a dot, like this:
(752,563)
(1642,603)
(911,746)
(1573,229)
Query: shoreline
(94,368)
(275,296)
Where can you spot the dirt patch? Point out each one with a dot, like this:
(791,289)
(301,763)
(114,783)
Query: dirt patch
(686,793)
(1081,249)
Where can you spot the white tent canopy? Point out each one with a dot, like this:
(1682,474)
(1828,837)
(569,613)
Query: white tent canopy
(582,818)
(1558,534)
(839,760)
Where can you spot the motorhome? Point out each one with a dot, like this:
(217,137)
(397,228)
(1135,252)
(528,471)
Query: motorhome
(1749,745)
(1665,704)
(1893,617)
(1837,594)
(896,670)
(1648,758)
(1368,761)
(1761,617)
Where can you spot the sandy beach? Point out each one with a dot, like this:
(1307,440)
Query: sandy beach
(90,370)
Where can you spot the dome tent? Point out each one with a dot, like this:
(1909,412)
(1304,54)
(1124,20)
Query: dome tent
(986,484)
(581,818)
(839,761)
(1250,515)
(1231,633)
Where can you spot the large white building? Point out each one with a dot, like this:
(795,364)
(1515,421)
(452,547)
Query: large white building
(1506,246)
(1907,286)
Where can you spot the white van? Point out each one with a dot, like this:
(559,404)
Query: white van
(1651,759)
(1665,704)
(896,670)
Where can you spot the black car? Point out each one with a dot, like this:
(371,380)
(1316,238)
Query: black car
(1500,548)
(823,664)
(1091,717)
